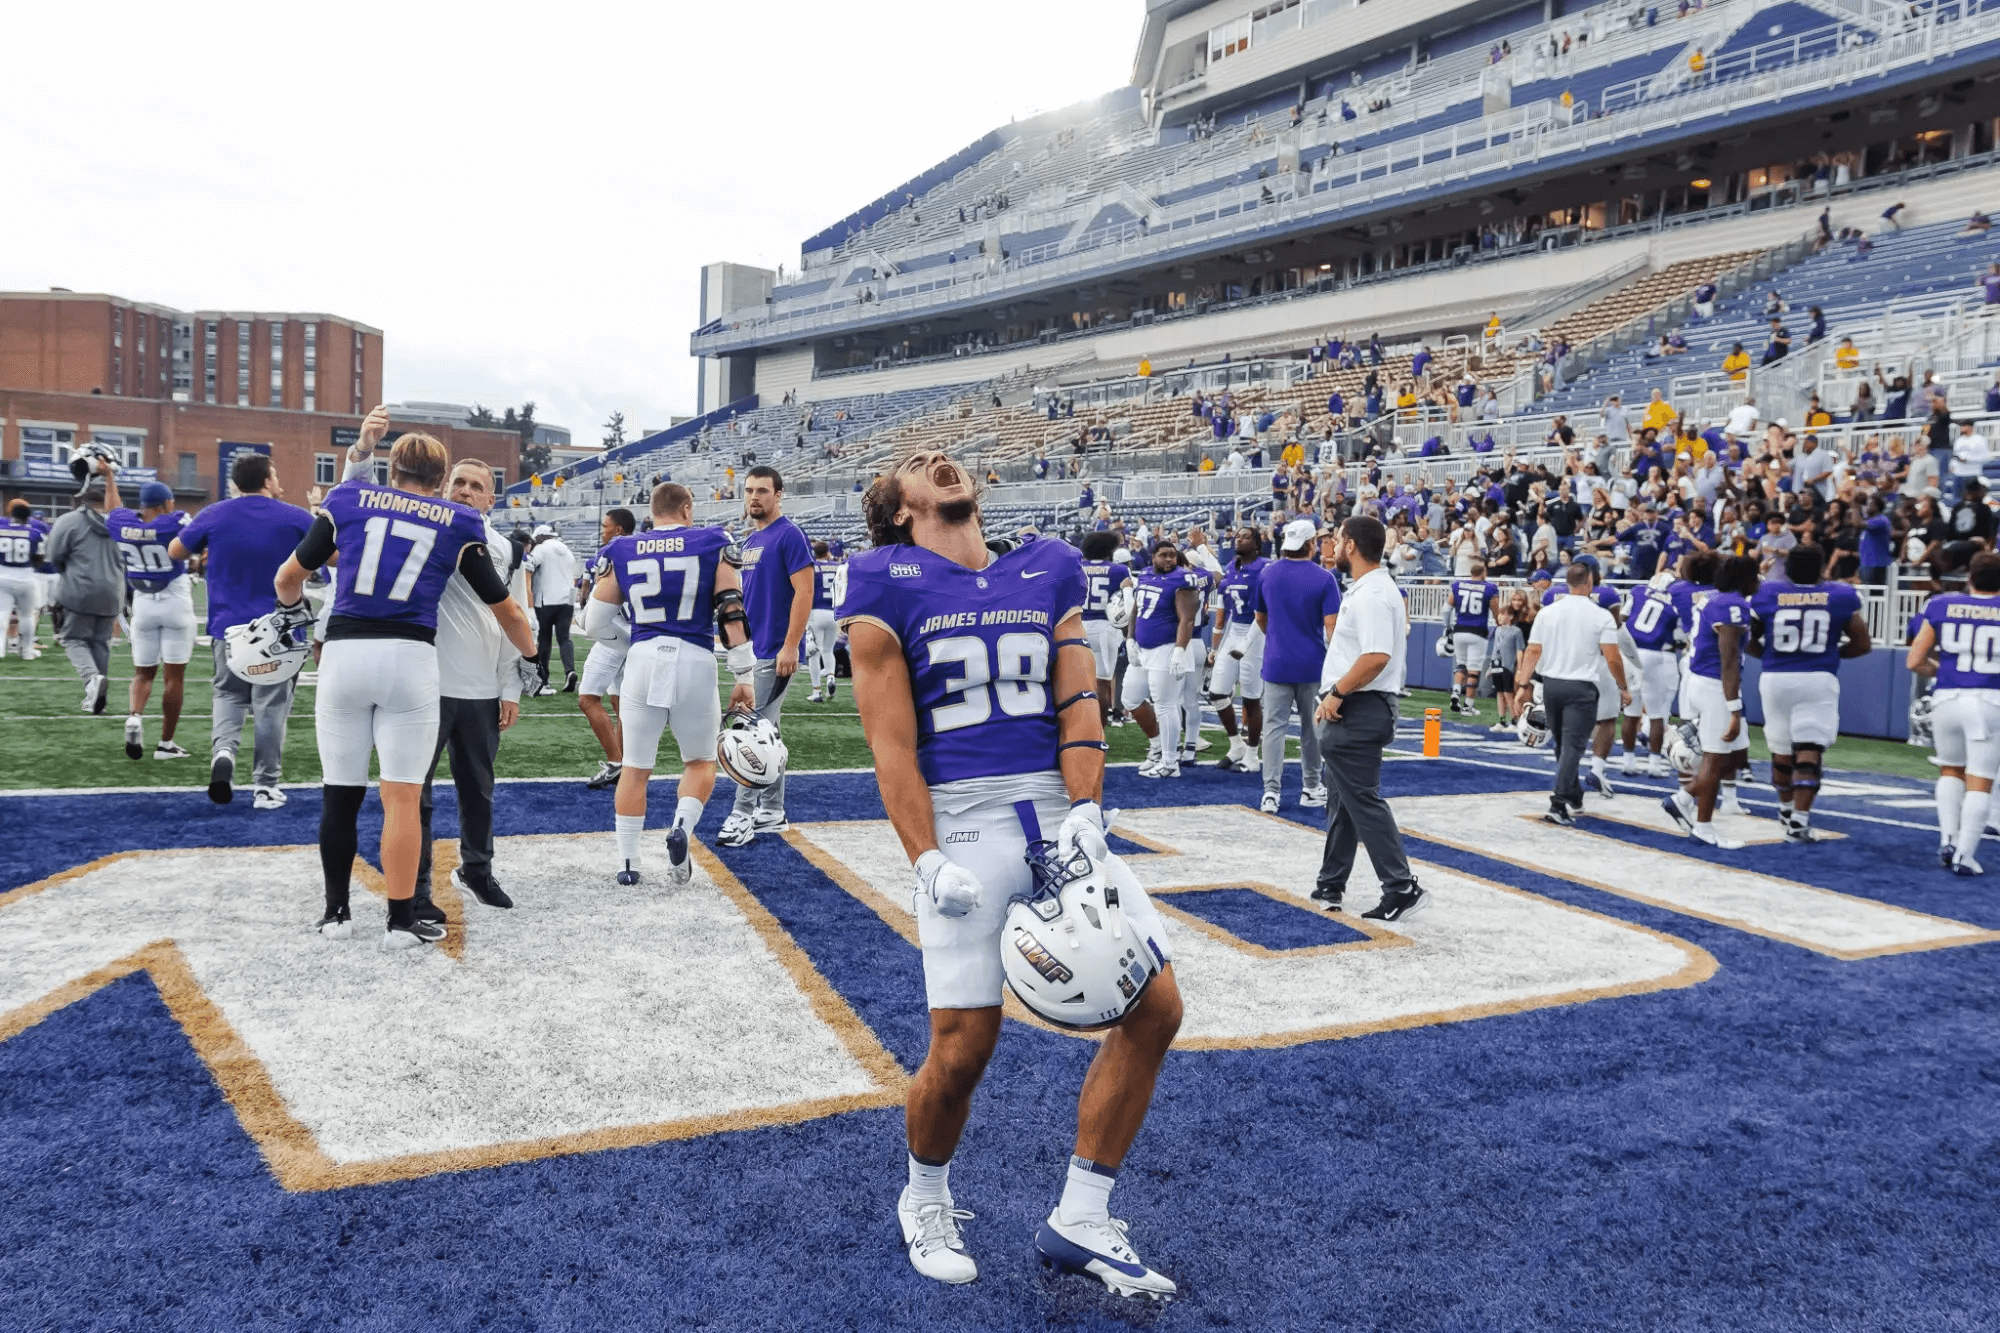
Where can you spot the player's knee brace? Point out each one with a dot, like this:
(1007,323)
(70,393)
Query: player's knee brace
(1806,770)
(1782,771)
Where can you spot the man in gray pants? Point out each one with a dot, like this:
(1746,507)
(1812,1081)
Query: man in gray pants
(777,596)
(91,589)
(245,540)
(1298,604)
(1572,640)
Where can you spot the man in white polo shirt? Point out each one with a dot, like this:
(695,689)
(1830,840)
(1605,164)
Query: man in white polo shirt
(1573,640)
(1364,669)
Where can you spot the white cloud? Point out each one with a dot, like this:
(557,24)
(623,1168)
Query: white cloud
(521,196)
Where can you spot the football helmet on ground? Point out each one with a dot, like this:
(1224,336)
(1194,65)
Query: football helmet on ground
(1067,949)
(1681,747)
(750,749)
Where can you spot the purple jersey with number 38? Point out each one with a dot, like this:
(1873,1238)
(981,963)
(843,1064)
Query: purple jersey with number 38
(980,646)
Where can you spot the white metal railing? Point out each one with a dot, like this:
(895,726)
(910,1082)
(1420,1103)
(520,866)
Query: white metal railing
(1219,216)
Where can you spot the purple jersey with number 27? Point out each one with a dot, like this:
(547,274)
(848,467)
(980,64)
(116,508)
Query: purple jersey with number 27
(667,578)
(980,646)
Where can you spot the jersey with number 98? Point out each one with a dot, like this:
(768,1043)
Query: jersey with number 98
(667,579)
(1968,635)
(397,551)
(1803,624)
(980,645)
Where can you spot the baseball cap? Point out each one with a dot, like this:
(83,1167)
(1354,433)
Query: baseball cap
(1589,562)
(1122,556)
(154,494)
(1298,534)
(1541,576)
(544,531)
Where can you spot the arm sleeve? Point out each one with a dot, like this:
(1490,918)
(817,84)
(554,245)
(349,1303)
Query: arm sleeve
(316,548)
(485,580)
(361,471)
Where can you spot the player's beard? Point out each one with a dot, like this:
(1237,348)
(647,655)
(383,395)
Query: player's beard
(956,512)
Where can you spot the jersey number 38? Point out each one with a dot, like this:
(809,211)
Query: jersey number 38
(1016,673)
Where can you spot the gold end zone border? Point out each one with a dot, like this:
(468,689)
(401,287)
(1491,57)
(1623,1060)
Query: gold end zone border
(295,1157)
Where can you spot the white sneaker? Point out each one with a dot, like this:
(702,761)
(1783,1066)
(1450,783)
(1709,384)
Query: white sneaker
(931,1239)
(135,737)
(90,688)
(1149,767)
(814,697)
(1163,769)
(1313,798)
(1629,765)
(769,821)
(1202,745)
(1728,803)
(1269,805)
(737,831)
(1103,1251)
(1237,751)
(267,798)
(1658,767)
(1500,729)
(170,750)
(1706,833)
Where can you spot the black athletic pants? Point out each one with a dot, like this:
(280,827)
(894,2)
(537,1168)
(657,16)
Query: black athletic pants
(471,727)
(1356,813)
(553,620)
(1571,707)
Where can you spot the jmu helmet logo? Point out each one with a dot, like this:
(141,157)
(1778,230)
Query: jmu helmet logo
(1041,959)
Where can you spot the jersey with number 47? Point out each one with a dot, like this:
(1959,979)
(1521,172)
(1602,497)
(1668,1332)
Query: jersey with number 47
(980,645)
(667,580)
(1968,635)
(397,551)
(1802,624)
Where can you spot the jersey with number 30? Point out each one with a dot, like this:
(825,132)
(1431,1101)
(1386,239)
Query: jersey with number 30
(143,544)
(1968,635)
(1802,625)
(667,579)
(980,645)
(397,551)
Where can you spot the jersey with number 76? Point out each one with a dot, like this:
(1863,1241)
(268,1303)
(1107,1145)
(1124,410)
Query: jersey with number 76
(667,580)
(397,551)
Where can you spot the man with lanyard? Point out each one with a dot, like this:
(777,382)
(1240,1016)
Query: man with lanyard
(1239,653)
(1364,671)
(1573,642)
(1800,623)
(1471,622)
(778,598)
(1611,696)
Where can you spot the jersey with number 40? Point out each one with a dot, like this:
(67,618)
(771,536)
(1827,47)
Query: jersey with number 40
(667,579)
(980,645)
(397,551)
(1968,635)
(1802,624)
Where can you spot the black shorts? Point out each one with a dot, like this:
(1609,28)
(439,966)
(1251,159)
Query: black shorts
(1503,682)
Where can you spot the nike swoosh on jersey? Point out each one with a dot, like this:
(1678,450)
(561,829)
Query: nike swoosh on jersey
(1033,573)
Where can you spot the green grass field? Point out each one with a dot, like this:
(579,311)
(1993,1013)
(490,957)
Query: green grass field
(47,741)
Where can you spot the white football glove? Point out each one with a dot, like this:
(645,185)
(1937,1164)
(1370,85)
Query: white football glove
(1083,830)
(953,889)
(526,673)
(288,618)
(1183,660)
(742,661)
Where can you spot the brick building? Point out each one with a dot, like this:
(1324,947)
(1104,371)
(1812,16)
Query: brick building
(179,392)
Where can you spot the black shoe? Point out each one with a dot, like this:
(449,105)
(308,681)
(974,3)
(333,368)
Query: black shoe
(426,910)
(606,775)
(569,685)
(1329,897)
(628,876)
(221,776)
(412,935)
(1397,904)
(481,887)
(1559,815)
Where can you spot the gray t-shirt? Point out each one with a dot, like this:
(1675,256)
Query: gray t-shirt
(1505,650)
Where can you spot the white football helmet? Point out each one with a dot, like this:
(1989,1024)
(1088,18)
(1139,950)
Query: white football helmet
(1444,646)
(1121,606)
(1068,950)
(1533,728)
(1682,747)
(750,749)
(265,653)
(84,458)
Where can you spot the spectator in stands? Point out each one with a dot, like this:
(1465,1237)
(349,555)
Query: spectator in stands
(1489,406)
(1893,214)
(1816,330)
(1737,363)
(1970,453)
(1937,428)
(1704,300)
(1977,224)
(1780,345)
(1993,394)
(1990,285)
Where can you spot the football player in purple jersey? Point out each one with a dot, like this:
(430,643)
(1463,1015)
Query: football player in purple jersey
(1162,652)
(378,672)
(20,590)
(1800,624)
(1103,577)
(162,614)
(1239,653)
(1715,691)
(973,678)
(821,629)
(1471,601)
(1957,641)
(1653,623)
(675,588)
(605,664)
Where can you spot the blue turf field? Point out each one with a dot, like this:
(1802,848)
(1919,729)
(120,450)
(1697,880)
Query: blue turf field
(1798,1142)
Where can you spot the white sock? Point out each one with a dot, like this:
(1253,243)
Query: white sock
(1596,765)
(1972,823)
(688,813)
(1086,1195)
(1950,797)
(629,827)
(929,1184)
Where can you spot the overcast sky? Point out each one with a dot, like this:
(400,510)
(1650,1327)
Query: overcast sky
(520,196)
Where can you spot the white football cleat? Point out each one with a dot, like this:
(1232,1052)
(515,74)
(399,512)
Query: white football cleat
(1269,805)
(1149,766)
(337,924)
(267,798)
(814,697)
(1101,1250)
(1312,798)
(1163,769)
(680,866)
(1629,766)
(931,1239)
(1658,767)
(135,737)
(1706,833)
(1728,803)
(1965,865)
(737,831)
(170,750)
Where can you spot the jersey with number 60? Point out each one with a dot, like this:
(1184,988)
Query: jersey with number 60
(1803,623)
(667,579)
(397,551)
(1968,635)
(980,645)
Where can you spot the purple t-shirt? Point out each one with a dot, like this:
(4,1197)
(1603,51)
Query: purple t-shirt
(1295,596)
(247,539)
(980,645)
(667,577)
(397,551)
(771,555)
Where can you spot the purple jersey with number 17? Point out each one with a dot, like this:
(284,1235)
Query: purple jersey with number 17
(1968,635)
(980,645)
(667,579)
(397,551)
